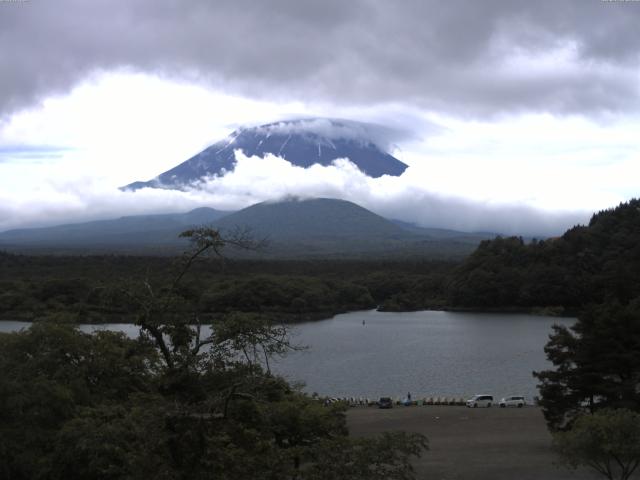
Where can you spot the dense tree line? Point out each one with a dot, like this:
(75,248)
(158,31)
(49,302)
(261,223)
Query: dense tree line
(588,264)
(91,289)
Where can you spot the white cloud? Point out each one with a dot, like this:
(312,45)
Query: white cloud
(384,137)
(548,162)
(127,126)
(406,197)
(256,179)
(495,174)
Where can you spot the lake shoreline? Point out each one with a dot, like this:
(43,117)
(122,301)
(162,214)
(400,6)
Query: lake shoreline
(288,318)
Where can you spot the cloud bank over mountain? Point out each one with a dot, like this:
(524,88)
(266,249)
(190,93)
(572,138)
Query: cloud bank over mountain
(385,138)
(258,179)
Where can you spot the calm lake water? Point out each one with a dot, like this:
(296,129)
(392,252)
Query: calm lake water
(426,353)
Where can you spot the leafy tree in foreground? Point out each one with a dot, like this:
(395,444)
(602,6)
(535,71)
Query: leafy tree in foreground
(607,441)
(597,364)
(49,375)
(366,458)
(175,403)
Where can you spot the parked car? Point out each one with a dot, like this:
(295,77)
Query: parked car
(385,402)
(513,401)
(480,401)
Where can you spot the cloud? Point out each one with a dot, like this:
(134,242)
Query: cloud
(386,138)
(404,198)
(81,199)
(9,153)
(256,179)
(460,57)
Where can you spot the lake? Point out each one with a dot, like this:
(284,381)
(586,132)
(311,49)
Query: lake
(427,353)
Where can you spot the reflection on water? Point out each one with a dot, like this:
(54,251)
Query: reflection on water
(425,353)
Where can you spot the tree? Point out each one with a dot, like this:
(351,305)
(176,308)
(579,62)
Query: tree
(161,309)
(385,457)
(187,399)
(587,264)
(607,441)
(597,364)
(51,373)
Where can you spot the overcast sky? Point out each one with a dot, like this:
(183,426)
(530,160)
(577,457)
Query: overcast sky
(518,116)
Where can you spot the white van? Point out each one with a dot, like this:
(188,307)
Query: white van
(480,401)
(513,401)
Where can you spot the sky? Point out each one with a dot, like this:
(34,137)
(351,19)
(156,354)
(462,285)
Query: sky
(514,116)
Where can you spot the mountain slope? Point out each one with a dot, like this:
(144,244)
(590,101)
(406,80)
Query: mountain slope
(322,228)
(301,142)
(136,230)
(330,228)
(445,234)
(312,219)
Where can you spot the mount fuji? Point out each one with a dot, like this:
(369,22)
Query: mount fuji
(303,143)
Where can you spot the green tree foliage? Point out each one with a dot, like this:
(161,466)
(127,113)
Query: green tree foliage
(90,289)
(289,295)
(596,364)
(586,265)
(49,374)
(607,441)
(181,401)
(371,458)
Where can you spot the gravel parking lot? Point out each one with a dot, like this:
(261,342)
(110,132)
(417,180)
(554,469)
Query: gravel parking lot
(475,444)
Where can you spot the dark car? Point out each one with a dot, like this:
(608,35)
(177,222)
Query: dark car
(385,402)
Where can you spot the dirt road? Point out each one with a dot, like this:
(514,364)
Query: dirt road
(472,444)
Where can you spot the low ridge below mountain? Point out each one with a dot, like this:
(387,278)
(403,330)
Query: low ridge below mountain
(130,231)
(302,142)
(292,228)
(325,227)
(317,218)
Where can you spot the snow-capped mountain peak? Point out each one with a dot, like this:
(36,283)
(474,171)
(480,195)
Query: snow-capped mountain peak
(302,142)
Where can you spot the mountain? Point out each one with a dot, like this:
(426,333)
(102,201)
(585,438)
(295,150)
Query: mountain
(312,219)
(137,232)
(443,233)
(301,142)
(324,227)
(293,228)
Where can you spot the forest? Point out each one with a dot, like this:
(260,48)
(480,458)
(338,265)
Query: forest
(557,276)
(94,288)
(587,265)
